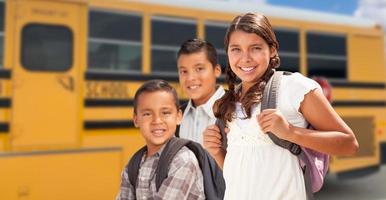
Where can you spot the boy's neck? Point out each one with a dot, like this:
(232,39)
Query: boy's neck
(196,104)
(152,149)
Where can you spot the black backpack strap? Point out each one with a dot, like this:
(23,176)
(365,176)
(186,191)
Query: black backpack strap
(133,166)
(167,155)
(269,100)
(214,183)
(182,107)
(224,140)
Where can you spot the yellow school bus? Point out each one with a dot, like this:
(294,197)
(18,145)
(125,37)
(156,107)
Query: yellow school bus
(69,70)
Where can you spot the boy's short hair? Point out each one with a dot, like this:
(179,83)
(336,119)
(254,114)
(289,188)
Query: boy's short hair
(196,45)
(155,86)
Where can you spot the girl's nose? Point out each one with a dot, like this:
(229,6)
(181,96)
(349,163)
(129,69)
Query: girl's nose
(246,57)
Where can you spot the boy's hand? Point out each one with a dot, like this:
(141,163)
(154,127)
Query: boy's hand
(212,140)
(272,120)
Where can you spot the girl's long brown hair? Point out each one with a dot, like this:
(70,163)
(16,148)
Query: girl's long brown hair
(224,108)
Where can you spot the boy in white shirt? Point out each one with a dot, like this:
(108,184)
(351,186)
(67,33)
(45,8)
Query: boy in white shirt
(198,69)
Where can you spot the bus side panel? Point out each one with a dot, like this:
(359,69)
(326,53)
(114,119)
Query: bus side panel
(365,64)
(81,174)
(129,141)
(363,123)
(2,143)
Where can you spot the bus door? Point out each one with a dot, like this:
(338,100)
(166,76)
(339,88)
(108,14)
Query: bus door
(45,102)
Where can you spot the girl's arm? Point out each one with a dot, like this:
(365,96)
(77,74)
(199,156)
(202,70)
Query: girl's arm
(212,143)
(332,135)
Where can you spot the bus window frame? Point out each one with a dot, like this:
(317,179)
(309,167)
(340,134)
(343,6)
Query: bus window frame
(22,61)
(328,57)
(2,34)
(286,53)
(168,48)
(220,52)
(117,42)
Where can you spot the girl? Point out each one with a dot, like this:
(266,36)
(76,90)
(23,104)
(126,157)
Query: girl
(255,167)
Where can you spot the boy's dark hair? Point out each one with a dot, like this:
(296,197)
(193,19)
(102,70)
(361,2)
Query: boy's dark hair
(196,45)
(155,86)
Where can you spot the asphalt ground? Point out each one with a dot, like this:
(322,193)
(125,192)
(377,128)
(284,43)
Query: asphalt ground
(368,187)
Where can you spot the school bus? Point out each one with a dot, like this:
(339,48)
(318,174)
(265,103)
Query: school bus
(69,70)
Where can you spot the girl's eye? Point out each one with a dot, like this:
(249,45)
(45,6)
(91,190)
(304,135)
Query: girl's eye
(183,72)
(200,69)
(256,48)
(145,114)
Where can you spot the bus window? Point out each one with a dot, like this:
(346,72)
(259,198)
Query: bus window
(288,50)
(115,41)
(167,34)
(215,33)
(326,55)
(46,47)
(2,17)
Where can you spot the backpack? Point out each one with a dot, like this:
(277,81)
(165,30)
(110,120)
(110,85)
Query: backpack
(214,183)
(314,164)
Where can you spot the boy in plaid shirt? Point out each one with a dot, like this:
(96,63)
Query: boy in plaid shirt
(157,114)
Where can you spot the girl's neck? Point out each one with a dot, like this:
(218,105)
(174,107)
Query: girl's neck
(245,87)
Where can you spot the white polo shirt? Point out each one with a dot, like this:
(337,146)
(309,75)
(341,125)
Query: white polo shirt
(195,120)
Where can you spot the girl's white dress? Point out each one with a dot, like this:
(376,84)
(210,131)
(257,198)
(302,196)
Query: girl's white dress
(256,168)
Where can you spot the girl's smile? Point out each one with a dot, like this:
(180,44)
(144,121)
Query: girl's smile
(249,56)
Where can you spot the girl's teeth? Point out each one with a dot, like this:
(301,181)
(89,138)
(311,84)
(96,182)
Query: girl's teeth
(247,69)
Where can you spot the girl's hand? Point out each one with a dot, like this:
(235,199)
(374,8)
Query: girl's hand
(212,140)
(272,120)
(213,144)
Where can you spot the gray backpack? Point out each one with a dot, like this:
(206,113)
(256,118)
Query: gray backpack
(214,183)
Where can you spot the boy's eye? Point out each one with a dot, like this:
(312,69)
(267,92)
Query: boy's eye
(199,69)
(183,71)
(235,50)
(145,114)
(166,113)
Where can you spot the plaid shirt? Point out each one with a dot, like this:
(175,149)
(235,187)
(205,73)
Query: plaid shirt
(184,181)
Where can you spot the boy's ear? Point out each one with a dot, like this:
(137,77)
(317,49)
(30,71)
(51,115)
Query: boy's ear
(135,120)
(273,52)
(217,70)
(179,117)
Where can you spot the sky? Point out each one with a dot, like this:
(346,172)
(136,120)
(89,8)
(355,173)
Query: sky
(370,9)
(346,7)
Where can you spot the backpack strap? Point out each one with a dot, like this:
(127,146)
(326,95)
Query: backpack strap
(221,125)
(182,107)
(214,183)
(132,168)
(269,100)
(167,156)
